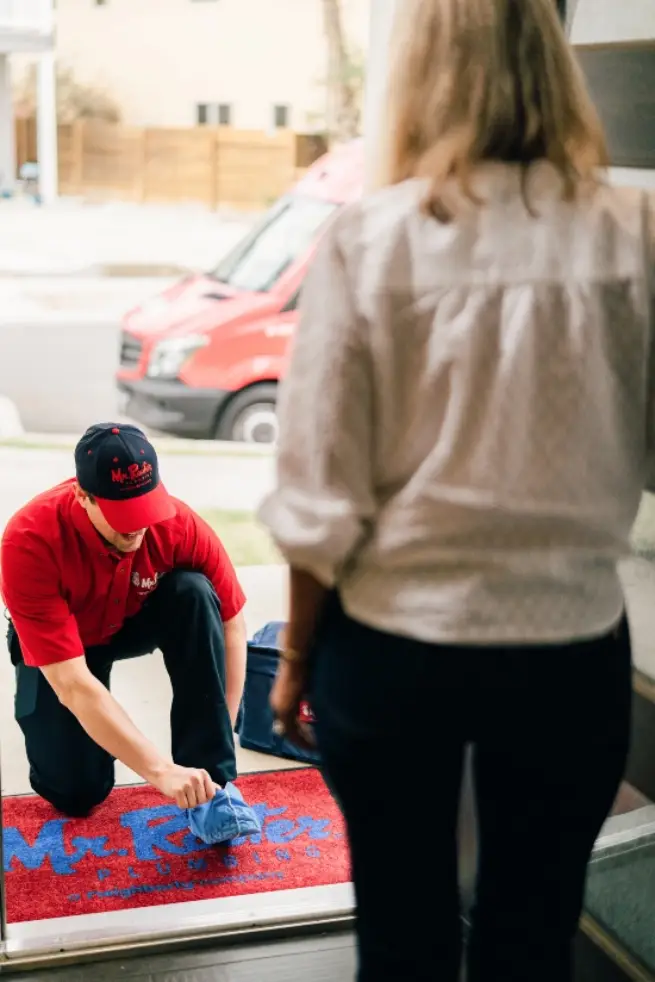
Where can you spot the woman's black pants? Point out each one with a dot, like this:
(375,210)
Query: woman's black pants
(549,727)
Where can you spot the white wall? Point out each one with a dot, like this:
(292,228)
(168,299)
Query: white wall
(607,21)
(161,57)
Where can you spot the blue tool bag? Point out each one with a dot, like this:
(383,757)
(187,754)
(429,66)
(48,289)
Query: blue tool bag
(255,725)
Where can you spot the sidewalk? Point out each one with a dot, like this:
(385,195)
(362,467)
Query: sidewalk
(72,237)
(638,576)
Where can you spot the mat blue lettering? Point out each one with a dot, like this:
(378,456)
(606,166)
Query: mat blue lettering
(197,864)
(188,885)
(95,847)
(49,844)
(152,831)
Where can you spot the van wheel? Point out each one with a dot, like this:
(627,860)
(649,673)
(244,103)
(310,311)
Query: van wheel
(250,417)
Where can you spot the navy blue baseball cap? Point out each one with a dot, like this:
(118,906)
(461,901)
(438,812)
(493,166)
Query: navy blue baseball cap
(118,465)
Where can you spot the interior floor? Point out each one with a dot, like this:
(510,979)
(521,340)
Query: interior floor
(330,958)
(320,959)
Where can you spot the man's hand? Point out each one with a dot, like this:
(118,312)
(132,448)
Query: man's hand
(187,786)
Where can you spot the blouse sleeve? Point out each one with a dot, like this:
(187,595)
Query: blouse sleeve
(323,498)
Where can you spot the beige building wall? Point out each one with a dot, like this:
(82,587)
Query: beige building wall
(160,58)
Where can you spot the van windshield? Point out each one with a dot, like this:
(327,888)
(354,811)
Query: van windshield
(277,241)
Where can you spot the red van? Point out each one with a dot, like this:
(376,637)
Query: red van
(204,359)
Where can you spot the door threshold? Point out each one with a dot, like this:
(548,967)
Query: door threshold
(150,930)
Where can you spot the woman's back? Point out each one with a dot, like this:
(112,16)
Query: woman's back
(509,353)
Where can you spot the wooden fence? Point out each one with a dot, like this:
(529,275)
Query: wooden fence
(221,167)
(25,141)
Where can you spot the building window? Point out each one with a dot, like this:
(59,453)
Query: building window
(281,117)
(213,114)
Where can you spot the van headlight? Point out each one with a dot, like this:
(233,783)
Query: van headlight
(169,356)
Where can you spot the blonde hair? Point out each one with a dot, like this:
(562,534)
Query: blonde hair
(487,80)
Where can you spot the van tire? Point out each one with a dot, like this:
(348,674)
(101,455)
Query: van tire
(249,416)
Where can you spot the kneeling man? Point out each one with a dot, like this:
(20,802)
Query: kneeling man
(108,566)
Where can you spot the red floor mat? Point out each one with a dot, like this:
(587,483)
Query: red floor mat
(137,851)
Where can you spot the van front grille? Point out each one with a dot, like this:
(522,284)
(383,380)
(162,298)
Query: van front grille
(131,349)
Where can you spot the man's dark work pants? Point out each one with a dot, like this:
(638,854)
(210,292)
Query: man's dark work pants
(182,618)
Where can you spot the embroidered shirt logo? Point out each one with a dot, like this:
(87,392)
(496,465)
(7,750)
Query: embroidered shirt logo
(145,583)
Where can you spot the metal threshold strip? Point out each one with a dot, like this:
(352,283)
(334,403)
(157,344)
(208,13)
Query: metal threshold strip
(631,967)
(643,685)
(622,835)
(88,938)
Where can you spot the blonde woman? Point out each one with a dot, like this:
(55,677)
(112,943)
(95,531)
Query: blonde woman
(466,430)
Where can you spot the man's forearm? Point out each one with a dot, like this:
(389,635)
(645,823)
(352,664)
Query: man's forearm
(108,725)
(236,648)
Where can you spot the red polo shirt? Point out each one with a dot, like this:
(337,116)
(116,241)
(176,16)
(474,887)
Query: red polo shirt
(66,589)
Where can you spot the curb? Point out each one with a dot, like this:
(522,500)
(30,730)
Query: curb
(11,427)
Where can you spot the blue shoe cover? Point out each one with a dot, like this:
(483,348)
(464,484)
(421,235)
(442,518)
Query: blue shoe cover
(225,817)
